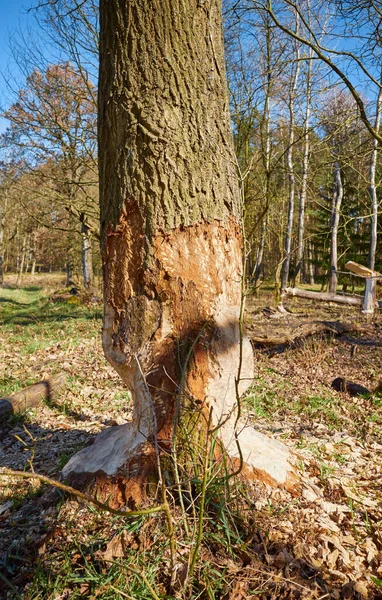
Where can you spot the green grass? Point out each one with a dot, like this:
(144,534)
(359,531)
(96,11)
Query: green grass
(30,322)
(273,401)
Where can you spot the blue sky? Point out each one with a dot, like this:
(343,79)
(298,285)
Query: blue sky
(13,15)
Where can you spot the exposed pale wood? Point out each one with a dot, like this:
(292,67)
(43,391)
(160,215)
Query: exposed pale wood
(360,270)
(369,298)
(323,296)
(33,395)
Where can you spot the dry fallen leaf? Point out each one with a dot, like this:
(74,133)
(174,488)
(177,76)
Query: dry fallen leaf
(116,547)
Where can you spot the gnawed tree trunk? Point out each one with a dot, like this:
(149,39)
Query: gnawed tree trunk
(369,297)
(171,237)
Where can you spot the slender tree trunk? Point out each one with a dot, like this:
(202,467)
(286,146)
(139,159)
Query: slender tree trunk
(3,207)
(290,167)
(260,252)
(21,263)
(266,151)
(304,177)
(310,263)
(335,219)
(171,233)
(27,254)
(87,259)
(373,188)
(69,267)
(33,253)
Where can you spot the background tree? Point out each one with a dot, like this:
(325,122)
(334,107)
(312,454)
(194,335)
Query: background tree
(53,125)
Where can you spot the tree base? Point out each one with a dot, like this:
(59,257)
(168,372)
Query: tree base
(121,463)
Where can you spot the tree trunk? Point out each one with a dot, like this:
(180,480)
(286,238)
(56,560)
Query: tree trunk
(87,259)
(290,167)
(310,263)
(304,177)
(33,244)
(69,268)
(260,253)
(3,207)
(171,236)
(369,298)
(266,145)
(373,188)
(27,254)
(335,219)
(20,269)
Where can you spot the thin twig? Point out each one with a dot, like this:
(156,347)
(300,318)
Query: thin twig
(73,492)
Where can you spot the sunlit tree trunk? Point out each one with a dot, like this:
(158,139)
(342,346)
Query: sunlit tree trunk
(290,167)
(310,263)
(86,255)
(21,262)
(373,187)
(304,176)
(3,207)
(260,252)
(335,219)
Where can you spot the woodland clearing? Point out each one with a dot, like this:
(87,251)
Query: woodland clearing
(258,541)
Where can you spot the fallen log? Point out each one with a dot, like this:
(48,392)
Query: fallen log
(303,331)
(323,296)
(32,396)
(340,384)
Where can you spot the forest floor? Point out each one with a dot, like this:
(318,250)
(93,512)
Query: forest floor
(325,542)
